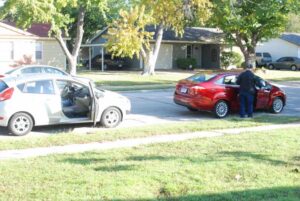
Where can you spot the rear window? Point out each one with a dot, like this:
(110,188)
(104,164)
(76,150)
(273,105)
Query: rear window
(3,86)
(258,54)
(200,77)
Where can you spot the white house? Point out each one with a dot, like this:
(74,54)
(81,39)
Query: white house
(15,44)
(288,44)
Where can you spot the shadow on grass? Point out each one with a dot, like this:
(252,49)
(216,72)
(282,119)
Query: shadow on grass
(265,194)
(116,168)
(241,155)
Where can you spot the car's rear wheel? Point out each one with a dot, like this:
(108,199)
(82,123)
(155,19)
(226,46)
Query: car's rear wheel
(221,109)
(293,67)
(277,105)
(20,124)
(111,117)
(271,67)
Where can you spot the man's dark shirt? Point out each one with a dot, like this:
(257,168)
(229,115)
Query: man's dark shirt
(247,81)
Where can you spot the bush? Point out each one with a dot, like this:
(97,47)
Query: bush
(231,58)
(186,63)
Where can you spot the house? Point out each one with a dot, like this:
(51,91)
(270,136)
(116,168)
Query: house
(202,44)
(288,44)
(34,43)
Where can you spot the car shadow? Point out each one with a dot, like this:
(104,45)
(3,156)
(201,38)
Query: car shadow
(51,129)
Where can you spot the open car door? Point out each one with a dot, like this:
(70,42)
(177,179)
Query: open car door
(95,103)
(263,94)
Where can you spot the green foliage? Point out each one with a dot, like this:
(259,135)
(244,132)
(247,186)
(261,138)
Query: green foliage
(248,22)
(186,63)
(293,24)
(230,58)
(61,14)
(127,35)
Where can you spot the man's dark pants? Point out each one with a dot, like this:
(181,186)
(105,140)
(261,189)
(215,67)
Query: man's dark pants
(246,104)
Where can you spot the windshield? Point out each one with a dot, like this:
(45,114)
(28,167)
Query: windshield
(200,77)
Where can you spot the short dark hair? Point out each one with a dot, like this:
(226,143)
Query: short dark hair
(249,66)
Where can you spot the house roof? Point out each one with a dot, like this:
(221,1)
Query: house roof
(37,29)
(191,34)
(291,37)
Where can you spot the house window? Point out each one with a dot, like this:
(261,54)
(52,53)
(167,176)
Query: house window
(38,51)
(7,51)
(189,51)
(214,55)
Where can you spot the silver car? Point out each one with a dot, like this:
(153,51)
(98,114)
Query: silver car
(290,63)
(37,100)
(33,69)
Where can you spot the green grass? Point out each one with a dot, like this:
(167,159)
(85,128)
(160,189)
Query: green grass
(253,166)
(123,133)
(133,80)
(279,75)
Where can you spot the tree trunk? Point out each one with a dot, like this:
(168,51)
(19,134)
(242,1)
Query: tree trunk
(249,53)
(72,58)
(151,55)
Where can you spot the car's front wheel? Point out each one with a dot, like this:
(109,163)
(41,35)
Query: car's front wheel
(111,117)
(277,105)
(271,67)
(294,68)
(20,124)
(221,109)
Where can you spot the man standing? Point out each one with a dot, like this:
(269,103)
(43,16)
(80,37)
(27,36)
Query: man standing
(247,81)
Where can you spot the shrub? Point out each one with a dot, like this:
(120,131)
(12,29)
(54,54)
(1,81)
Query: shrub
(186,63)
(231,58)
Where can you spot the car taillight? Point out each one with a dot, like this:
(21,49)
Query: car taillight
(195,90)
(2,76)
(7,94)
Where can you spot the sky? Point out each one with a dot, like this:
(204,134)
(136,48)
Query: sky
(2,2)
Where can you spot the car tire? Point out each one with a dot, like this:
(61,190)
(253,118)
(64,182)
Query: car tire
(192,109)
(111,117)
(277,105)
(221,109)
(271,67)
(20,124)
(294,68)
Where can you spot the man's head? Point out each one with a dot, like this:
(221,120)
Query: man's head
(249,67)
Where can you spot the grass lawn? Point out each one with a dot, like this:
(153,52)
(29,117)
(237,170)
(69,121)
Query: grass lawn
(133,132)
(132,80)
(252,167)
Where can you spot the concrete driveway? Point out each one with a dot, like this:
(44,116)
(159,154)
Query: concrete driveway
(154,107)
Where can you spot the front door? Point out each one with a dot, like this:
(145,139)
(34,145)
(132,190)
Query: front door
(95,104)
(263,95)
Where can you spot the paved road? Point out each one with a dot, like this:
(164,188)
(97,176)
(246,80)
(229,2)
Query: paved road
(152,107)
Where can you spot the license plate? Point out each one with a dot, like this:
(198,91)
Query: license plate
(183,90)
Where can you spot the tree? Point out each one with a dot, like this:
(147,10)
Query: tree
(127,35)
(56,13)
(246,22)
(293,24)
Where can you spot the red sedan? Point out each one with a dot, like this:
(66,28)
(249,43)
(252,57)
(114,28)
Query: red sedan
(219,94)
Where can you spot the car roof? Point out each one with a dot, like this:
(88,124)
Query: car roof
(33,65)
(14,80)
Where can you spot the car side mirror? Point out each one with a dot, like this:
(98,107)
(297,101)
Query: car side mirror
(98,95)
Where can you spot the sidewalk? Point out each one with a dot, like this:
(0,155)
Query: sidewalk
(79,148)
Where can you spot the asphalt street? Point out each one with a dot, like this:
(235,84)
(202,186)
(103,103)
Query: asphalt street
(156,107)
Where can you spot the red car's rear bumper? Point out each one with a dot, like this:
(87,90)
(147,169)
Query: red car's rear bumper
(198,102)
